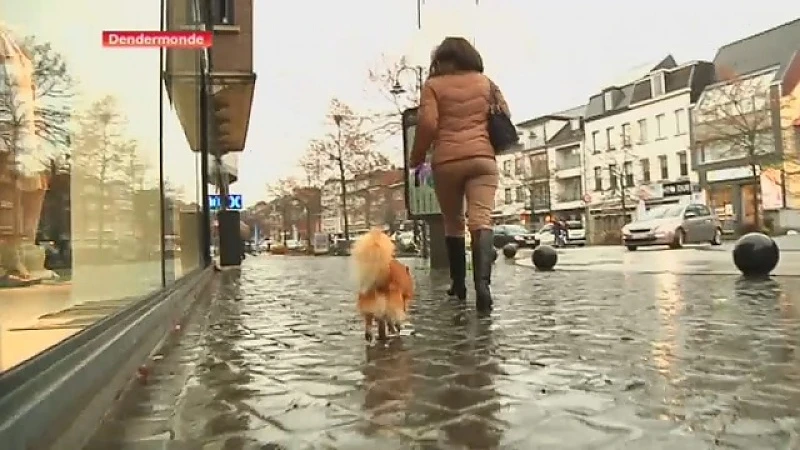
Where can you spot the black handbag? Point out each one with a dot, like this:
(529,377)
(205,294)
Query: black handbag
(502,132)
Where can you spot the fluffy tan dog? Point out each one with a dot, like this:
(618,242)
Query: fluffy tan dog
(385,286)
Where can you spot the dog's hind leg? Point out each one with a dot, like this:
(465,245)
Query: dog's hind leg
(382,325)
(368,320)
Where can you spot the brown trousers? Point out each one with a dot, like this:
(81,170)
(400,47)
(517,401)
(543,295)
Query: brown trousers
(473,178)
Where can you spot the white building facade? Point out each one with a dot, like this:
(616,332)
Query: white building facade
(638,143)
(565,159)
(747,132)
(331,203)
(527,191)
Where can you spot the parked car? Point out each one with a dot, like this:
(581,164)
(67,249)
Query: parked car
(576,234)
(517,234)
(295,244)
(404,241)
(673,225)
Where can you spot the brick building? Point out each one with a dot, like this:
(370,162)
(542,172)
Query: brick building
(375,199)
(292,216)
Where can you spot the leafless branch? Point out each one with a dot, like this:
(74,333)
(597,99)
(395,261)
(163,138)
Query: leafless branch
(737,117)
(48,111)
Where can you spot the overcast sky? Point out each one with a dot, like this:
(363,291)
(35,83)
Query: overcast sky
(546,56)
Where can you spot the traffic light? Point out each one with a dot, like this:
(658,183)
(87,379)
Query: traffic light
(222,119)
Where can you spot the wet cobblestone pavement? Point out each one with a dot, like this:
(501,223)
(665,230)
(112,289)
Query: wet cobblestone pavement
(568,360)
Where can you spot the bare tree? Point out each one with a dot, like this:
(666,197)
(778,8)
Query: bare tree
(316,166)
(282,192)
(619,165)
(47,110)
(346,152)
(737,120)
(103,158)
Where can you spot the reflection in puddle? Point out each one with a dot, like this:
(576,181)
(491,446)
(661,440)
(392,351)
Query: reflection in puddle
(669,304)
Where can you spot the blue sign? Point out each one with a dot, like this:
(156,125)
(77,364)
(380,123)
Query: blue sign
(235,202)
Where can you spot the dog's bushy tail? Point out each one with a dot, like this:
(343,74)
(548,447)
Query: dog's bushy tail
(372,255)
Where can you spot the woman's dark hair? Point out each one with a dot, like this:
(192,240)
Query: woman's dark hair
(455,54)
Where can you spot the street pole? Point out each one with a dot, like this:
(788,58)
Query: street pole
(419,70)
(342,181)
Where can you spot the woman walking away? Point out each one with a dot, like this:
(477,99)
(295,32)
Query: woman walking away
(453,118)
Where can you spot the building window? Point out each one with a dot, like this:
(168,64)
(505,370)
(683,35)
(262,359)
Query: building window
(507,168)
(539,169)
(680,122)
(612,176)
(223,12)
(645,164)
(508,199)
(598,178)
(595,138)
(626,135)
(642,137)
(683,164)
(657,83)
(608,100)
(660,119)
(518,165)
(610,138)
(519,194)
(627,172)
(662,163)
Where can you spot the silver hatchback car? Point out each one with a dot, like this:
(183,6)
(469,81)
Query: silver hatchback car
(673,225)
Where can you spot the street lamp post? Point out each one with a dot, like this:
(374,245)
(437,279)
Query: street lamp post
(397,89)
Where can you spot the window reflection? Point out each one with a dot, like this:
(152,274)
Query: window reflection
(81,191)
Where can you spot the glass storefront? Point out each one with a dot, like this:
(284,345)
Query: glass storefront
(734,205)
(721,202)
(100,198)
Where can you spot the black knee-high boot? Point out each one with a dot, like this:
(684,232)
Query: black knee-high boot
(483,254)
(456,255)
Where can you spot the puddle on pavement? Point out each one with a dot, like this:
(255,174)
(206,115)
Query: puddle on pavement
(588,358)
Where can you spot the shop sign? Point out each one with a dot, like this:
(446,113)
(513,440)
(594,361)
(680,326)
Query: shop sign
(651,191)
(677,189)
(234,202)
(733,173)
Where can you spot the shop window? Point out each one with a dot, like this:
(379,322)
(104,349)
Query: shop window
(81,191)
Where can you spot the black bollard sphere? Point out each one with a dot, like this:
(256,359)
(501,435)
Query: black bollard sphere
(756,255)
(510,250)
(544,257)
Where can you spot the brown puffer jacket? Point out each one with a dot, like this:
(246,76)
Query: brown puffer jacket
(452,117)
